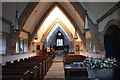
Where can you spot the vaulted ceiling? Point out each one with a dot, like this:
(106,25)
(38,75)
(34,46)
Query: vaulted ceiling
(37,14)
(95,10)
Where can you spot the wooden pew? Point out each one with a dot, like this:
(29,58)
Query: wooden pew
(68,59)
(73,71)
(29,63)
(34,68)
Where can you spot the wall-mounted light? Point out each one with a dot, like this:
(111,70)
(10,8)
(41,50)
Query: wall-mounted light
(43,38)
(35,36)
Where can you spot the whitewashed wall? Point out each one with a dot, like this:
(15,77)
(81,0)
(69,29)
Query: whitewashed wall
(103,23)
(5,27)
(25,45)
(24,35)
(92,54)
(2,43)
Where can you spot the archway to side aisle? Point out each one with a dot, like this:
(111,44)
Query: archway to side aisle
(51,39)
(112,42)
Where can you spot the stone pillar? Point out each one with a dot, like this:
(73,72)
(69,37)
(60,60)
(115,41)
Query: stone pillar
(76,46)
(11,41)
(88,40)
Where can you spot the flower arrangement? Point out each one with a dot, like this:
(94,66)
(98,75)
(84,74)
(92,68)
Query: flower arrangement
(52,50)
(81,49)
(94,63)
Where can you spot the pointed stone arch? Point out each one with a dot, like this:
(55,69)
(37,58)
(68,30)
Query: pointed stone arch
(70,18)
(111,22)
(63,26)
(66,38)
(55,32)
(111,39)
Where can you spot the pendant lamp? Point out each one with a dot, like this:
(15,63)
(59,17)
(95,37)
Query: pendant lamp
(86,26)
(43,38)
(16,24)
(75,35)
(35,36)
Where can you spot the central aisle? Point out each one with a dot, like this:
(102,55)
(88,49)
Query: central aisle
(57,70)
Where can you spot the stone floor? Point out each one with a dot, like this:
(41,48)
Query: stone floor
(56,72)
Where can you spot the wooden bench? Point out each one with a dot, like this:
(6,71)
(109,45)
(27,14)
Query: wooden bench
(34,68)
(68,59)
(73,71)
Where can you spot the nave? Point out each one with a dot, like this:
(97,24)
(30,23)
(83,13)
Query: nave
(49,67)
(32,68)
(69,40)
(57,69)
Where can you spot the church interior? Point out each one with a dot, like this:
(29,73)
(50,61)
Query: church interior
(60,40)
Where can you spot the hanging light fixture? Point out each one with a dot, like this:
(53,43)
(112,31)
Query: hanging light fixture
(16,24)
(35,36)
(86,26)
(43,35)
(75,35)
(43,38)
(71,35)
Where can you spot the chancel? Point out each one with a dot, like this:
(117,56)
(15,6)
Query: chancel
(61,40)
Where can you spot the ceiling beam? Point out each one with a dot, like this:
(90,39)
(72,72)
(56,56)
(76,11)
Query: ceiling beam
(5,20)
(26,13)
(78,7)
(25,31)
(112,10)
(40,23)
(45,15)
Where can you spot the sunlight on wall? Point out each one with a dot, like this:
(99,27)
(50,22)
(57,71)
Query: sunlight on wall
(79,39)
(55,14)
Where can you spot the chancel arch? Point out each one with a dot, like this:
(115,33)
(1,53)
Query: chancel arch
(67,39)
(60,24)
(59,28)
(50,22)
(72,21)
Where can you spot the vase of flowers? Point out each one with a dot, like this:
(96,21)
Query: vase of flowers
(52,51)
(100,68)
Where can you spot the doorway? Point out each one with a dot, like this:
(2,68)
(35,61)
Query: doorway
(112,42)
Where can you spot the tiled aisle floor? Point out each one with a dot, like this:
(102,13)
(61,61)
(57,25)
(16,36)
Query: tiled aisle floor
(56,71)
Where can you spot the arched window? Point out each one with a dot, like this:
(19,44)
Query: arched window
(59,42)
(59,39)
